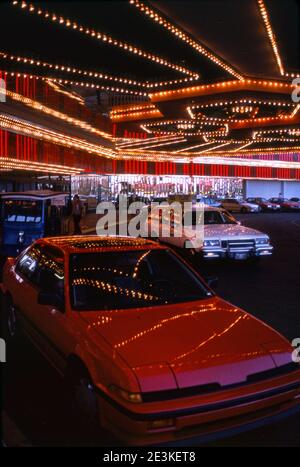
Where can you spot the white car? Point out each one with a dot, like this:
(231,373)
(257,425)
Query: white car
(236,205)
(223,235)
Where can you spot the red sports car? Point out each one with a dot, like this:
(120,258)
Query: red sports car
(147,348)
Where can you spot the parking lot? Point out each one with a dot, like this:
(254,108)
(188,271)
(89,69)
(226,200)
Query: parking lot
(34,401)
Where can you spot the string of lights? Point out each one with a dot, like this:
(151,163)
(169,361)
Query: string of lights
(271,35)
(71,95)
(180,34)
(224,86)
(242,102)
(17,125)
(102,37)
(54,113)
(10,163)
(78,83)
(93,74)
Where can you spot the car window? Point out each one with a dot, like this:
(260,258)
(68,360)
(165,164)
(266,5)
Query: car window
(22,211)
(131,279)
(50,271)
(28,263)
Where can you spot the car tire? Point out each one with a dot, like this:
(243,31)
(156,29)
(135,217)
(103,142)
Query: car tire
(10,323)
(83,404)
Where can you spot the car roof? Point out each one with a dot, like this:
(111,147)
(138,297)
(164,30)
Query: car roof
(33,194)
(95,243)
(196,207)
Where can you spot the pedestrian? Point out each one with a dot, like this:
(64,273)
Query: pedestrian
(77,214)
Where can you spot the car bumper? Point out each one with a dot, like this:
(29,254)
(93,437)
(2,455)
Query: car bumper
(236,253)
(195,420)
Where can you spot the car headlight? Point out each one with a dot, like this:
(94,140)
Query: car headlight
(134,397)
(211,243)
(262,241)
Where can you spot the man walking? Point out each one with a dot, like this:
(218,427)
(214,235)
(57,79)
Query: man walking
(77,214)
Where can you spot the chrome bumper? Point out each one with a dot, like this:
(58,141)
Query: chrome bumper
(237,253)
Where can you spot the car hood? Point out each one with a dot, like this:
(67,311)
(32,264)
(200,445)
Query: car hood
(208,341)
(227,231)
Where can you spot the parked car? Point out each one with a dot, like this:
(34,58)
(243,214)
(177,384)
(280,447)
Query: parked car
(286,205)
(264,204)
(146,347)
(237,205)
(223,235)
(29,215)
(296,200)
(208,201)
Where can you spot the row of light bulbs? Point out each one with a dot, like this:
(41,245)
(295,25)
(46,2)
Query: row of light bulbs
(20,126)
(123,142)
(243,101)
(94,74)
(128,109)
(141,115)
(236,102)
(98,86)
(291,131)
(36,131)
(71,95)
(10,163)
(78,83)
(271,35)
(219,157)
(223,85)
(103,37)
(270,140)
(184,37)
(54,113)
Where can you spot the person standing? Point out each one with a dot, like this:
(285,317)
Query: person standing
(77,214)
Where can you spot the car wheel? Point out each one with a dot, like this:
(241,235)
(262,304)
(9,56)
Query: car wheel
(244,210)
(83,399)
(10,320)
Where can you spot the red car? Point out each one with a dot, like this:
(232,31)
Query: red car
(147,348)
(264,204)
(286,204)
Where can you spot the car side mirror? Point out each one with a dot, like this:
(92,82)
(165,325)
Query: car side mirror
(212,281)
(48,298)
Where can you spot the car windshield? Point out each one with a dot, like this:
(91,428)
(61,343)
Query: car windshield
(210,217)
(22,210)
(131,279)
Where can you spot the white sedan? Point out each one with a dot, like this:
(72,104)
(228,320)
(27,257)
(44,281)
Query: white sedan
(222,235)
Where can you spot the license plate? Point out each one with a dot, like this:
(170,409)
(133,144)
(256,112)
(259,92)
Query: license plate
(240,256)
